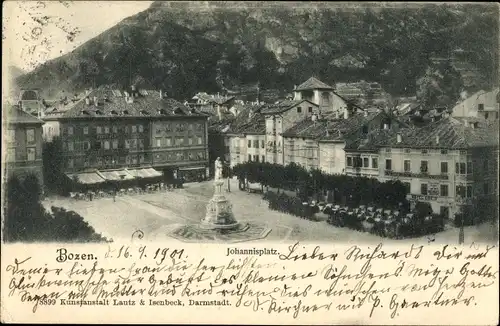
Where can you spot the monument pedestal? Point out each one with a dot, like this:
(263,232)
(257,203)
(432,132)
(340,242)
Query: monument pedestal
(219,215)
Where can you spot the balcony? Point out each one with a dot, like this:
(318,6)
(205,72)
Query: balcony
(421,175)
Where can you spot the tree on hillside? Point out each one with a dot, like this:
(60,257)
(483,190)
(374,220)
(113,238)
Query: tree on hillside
(439,86)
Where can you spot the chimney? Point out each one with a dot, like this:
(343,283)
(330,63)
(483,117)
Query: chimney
(437,140)
(399,138)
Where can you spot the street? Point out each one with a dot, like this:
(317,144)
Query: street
(156,213)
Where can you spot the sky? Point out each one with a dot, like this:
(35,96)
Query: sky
(37,31)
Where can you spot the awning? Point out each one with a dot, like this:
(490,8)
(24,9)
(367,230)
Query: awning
(116,175)
(144,173)
(192,168)
(86,177)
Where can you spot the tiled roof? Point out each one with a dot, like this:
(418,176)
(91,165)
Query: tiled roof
(14,115)
(112,103)
(283,106)
(447,133)
(312,83)
(329,127)
(249,120)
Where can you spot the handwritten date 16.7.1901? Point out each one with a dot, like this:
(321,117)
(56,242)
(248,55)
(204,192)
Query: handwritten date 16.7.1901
(157,254)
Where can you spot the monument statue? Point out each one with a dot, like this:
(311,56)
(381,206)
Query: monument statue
(219,213)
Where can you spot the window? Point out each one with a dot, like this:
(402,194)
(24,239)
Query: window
(133,143)
(407,165)
(106,144)
(201,155)
(125,130)
(299,109)
(444,151)
(388,164)
(140,143)
(366,163)
(30,136)
(199,140)
(424,151)
(31,153)
(444,190)
(141,158)
(444,167)
(190,140)
(480,107)
(469,167)
(255,144)
(407,187)
(310,109)
(256,158)
(249,144)
(486,189)
(98,129)
(263,159)
(86,145)
(168,141)
(460,191)
(11,135)
(134,129)
(85,130)
(141,128)
(115,129)
(469,192)
(387,150)
(70,130)
(496,115)
(486,115)
(374,162)
(127,143)
(115,144)
(71,163)
(99,161)
(423,188)
(424,168)
(407,150)
(249,158)
(262,145)
(106,130)
(86,162)
(460,168)
(179,141)
(349,161)
(71,146)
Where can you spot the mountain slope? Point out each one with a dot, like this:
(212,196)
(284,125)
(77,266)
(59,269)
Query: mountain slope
(194,46)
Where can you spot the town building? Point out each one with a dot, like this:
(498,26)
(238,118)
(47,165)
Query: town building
(31,102)
(24,143)
(240,139)
(482,104)
(111,129)
(311,98)
(449,163)
(216,106)
(332,154)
